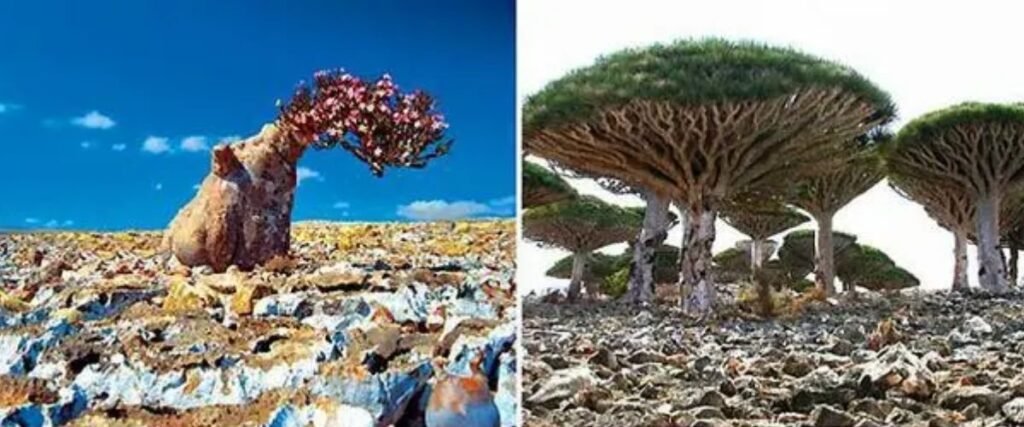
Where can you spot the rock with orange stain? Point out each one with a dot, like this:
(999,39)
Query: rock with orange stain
(462,401)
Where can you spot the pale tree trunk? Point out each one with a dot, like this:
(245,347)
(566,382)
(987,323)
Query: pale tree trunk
(824,269)
(960,281)
(991,271)
(652,235)
(579,265)
(1014,260)
(696,288)
(764,289)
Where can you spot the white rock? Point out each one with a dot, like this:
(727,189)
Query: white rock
(564,384)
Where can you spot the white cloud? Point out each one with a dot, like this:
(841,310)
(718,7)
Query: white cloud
(94,120)
(8,107)
(342,205)
(434,210)
(504,201)
(52,224)
(118,147)
(155,145)
(85,144)
(194,143)
(68,223)
(31,220)
(159,186)
(229,139)
(303,173)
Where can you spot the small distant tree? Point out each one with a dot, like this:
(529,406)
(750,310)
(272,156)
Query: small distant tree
(581,225)
(541,186)
(975,147)
(760,218)
(870,268)
(824,193)
(697,121)
(241,214)
(658,220)
(600,266)
(797,253)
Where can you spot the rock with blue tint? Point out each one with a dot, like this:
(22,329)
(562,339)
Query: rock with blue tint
(70,404)
(20,352)
(385,396)
(408,304)
(296,305)
(507,396)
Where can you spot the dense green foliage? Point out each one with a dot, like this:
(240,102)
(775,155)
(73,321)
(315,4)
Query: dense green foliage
(861,265)
(689,72)
(601,267)
(588,209)
(870,268)
(617,284)
(926,128)
(797,251)
(537,178)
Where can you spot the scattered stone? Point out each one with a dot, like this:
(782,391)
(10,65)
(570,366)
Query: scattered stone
(106,331)
(827,416)
(1014,410)
(787,371)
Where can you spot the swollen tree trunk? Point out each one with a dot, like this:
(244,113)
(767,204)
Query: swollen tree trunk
(696,288)
(579,265)
(991,271)
(652,235)
(241,214)
(824,269)
(960,281)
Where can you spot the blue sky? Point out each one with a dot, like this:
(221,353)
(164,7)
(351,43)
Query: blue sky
(106,107)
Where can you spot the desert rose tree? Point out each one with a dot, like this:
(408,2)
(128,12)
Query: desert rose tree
(759,217)
(976,147)
(824,193)
(580,226)
(541,186)
(696,122)
(241,214)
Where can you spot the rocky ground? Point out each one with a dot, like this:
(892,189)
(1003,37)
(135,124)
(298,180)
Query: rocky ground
(917,359)
(102,329)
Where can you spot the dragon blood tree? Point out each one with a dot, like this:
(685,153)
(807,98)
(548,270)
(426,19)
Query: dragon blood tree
(870,268)
(824,193)
(658,220)
(580,226)
(241,214)
(760,218)
(541,186)
(950,207)
(976,147)
(698,121)
(797,253)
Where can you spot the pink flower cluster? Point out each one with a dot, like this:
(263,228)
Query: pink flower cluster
(373,120)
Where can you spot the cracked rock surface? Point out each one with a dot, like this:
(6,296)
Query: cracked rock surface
(102,329)
(914,359)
